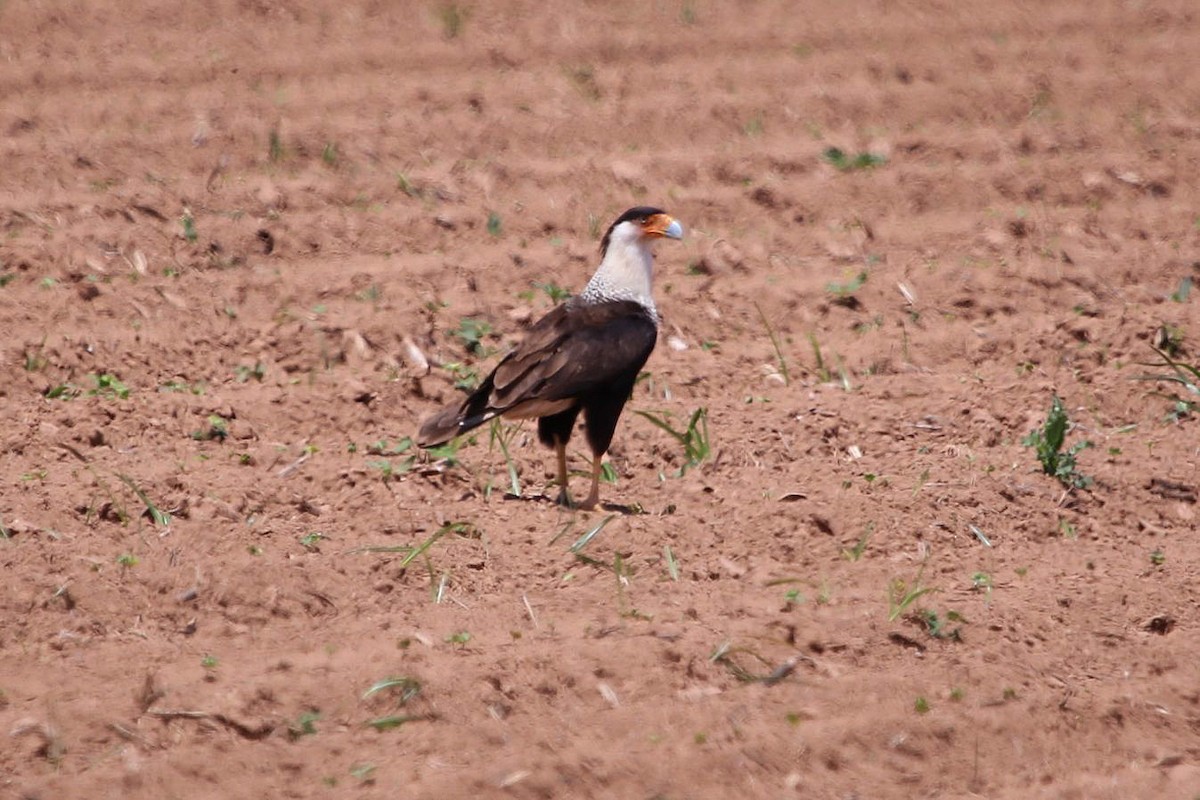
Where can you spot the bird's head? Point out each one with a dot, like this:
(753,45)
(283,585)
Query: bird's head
(626,259)
(640,225)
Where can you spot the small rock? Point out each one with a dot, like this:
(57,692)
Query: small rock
(521,314)
(995,240)
(269,195)
(241,430)
(733,568)
(1094,181)
(724,257)
(356,391)
(627,171)
(19,526)
(413,355)
(355,344)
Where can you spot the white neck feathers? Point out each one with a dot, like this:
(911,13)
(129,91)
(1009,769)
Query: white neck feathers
(625,273)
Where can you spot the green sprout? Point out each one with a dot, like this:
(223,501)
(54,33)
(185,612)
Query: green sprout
(1049,441)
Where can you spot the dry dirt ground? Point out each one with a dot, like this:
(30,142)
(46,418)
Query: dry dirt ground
(231,233)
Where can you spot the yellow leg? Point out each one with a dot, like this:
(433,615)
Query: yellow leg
(564,496)
(593,497)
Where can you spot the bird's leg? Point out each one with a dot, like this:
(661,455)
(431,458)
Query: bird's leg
(560,450)
(593,497)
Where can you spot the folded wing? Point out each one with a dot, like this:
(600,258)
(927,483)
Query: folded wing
(573,352)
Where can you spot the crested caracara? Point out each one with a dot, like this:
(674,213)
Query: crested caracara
(585,355)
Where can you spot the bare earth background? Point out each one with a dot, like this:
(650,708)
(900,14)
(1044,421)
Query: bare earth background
(220,223)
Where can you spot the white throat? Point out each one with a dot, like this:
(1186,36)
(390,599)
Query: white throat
(626,273)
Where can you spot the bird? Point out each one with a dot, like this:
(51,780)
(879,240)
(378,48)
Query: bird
(583,356)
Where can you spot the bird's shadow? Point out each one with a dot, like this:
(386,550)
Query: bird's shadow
(545,499)
(621,508)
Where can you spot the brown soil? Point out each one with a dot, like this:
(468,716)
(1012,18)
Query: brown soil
(254,215)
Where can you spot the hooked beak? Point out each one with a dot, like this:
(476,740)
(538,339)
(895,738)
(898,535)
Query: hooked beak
(664,225)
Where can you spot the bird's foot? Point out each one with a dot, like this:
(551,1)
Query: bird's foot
(590,503)
(564,499)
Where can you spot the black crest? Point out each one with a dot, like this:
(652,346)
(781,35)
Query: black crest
(637,213)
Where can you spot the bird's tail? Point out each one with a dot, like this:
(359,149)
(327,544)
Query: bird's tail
(441,427)
(457,418)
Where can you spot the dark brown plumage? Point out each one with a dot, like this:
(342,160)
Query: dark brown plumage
(582,357)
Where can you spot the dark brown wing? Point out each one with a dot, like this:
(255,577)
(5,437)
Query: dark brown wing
(574,351)
(571,352)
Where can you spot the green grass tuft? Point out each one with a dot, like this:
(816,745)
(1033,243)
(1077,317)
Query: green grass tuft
(556,293)
(157,515)
(453,18)
(901,594)
(590,534)
(856,552)
(502,435)
(189,226)
(1049,440)
(402,688)
(783,367)
(672,564)
(694,438)
(330,154)
(109,386)
(848,287)
(472,332)
(1185,376)
(305,725)
(495,226)
(274,146)
(845,162)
